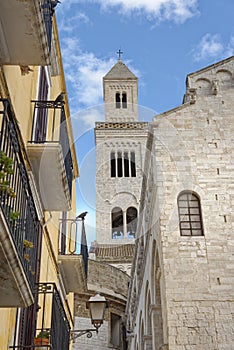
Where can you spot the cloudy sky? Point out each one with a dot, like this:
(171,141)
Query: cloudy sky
(162,41)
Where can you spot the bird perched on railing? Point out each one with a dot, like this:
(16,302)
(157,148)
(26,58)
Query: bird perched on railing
(60,98)
(54,3)
(82,215)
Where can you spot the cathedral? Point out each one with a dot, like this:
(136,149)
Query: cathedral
(181,290)
(163,254)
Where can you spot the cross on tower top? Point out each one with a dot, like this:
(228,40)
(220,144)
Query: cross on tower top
(119,53)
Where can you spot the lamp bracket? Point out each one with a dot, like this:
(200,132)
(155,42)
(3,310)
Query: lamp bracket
(76,333)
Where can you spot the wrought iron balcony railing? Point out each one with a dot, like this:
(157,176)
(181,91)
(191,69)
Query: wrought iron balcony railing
(47,7)
(52,322)
(16,200)
(73,254)
(71,242)
(49,136)
(52,309)
(51,117)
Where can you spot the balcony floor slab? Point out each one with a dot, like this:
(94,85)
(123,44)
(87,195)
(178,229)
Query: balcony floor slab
(15,290)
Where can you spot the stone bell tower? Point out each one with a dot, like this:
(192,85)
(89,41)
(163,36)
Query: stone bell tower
(120,149)
(120,90)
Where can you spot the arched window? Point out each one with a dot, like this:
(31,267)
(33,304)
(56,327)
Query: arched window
(133,165)
(131,222)
(126,164)
(113,165)
(190,218)
(122,164)
(117,100)
(124,100)
(119,164)
(117,223)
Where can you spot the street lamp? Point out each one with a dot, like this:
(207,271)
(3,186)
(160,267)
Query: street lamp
(97,306)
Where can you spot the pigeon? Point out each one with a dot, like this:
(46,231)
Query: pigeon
(60,98)
(82,215)
(54,3)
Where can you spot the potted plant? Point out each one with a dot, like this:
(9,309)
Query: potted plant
(42,338)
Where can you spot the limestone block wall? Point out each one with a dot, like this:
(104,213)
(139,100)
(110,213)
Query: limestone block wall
(107,278)
(197,271)
(98,341)
(181,295)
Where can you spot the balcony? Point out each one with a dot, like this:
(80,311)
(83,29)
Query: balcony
(73,256)
(50,155)
(51,319)
(25,32)
(20,228)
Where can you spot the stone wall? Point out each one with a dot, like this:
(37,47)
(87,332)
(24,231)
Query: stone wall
(98,341)
(192,149)
(111,283)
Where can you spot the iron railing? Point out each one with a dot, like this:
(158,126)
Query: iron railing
(71,242)
(55,123)
(52,309)
(16,199)
(47,7)
(51,318)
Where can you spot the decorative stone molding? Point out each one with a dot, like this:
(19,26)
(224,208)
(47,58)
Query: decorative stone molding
(125,125)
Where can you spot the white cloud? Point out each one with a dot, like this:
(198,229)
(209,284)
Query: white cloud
(210,46)
(84,73)
(84,120)
(175,10)
(230,47)
(68,23)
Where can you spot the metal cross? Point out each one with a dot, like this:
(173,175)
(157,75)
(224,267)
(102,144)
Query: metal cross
(119,53)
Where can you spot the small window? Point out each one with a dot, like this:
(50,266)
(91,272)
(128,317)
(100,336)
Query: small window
(126,164)
(117,99)
(190,218)
(120,164)
(133,165)
(113,165)
(117,223)
(124,100)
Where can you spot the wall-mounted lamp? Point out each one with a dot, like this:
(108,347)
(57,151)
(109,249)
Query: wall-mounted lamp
(97,306)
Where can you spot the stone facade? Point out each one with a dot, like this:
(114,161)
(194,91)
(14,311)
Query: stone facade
(181,293)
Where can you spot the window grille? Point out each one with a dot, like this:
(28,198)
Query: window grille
(190,218)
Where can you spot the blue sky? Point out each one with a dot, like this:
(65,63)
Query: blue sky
(162,41)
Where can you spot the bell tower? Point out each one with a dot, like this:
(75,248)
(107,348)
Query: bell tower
(120,148)
(120,90)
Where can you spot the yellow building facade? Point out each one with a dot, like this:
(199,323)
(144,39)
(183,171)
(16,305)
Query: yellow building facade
(38,170)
